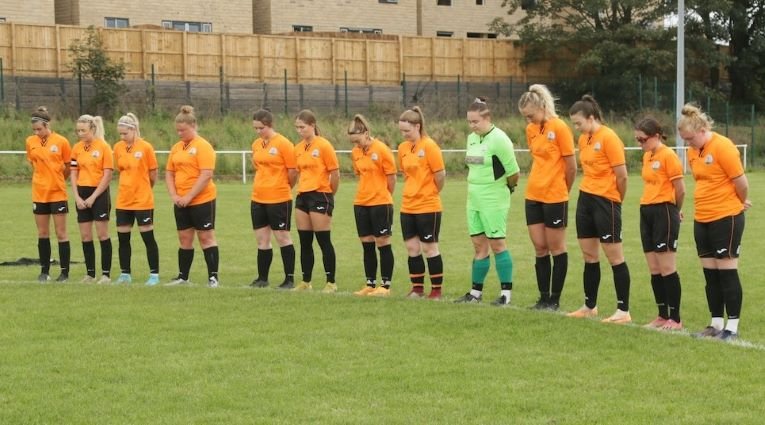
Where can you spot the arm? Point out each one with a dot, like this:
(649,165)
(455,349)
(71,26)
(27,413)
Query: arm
(292,176)
(621,180)
(742,190)
(204,178)
(679,186)
(79,202)
(512,181)
(439,177)
(334,180)
(153,177)
(391,182)
(570,171)
(102,185)
(170,183)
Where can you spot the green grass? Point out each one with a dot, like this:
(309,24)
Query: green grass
(86,354)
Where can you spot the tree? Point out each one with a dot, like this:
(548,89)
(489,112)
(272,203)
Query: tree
(90,60)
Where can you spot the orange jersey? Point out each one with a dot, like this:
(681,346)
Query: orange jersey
(187,161)
(599,153)
(373,166)
(660,169)
(314,163)
(714,168)
(90,161)
(134,164)
(548,144)
(419,161)
(49,159)
(271,161)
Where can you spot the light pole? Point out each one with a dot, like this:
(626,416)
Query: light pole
(680,95)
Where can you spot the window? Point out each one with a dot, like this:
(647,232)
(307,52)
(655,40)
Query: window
(362,30)
(479,2)
(2,19)
(444,33)
(481,35)
(302,28)
(116,22)
(444,2)
(389,1)
(188,26)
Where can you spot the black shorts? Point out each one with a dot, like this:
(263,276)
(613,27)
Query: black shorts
(48,208)
(316,202)
(553,215)
(598,217)
(659,227)
(374,221)
(278,216)
(720,238)
(425,225)
(127,217)
(200,217)
(100,209)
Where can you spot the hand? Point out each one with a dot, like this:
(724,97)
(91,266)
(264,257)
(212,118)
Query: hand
(681,216)
(80,203)
(89,202)
(176,199)
(747,204)
(511,187)
(184,201)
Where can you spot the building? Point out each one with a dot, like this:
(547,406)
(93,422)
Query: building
(185,15)
(28,12)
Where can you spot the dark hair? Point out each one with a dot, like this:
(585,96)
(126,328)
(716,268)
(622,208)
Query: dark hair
(588,107)
(479,105)
(359,125)
(414,116)
(41,114)
(308,117)
(651,127)
(264,116)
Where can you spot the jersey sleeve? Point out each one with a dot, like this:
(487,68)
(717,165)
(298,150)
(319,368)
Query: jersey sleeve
(565,139)
(206,157)
(503,148)
(73,164)
(151,161)
(108,158)
(330,157)
(288,153)
(730,161)
(170,166)
(434,157)
(388,163)
(29,151)
(614,150)
(673,166)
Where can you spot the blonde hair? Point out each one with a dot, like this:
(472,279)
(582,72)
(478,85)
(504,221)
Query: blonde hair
(96,125)
(308,117)
(129,120)
(414,116)
(479,105)
(359,125)
(694,119)
(186,116)
(41,115)
(539,96)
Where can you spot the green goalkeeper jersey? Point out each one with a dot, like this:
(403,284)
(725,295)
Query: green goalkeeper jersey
(490,159)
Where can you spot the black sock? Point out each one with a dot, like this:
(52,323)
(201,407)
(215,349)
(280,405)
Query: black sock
(288,259)
(306,254)
(543,271)
(265,256)
(43,250)
(659,286)
(106,257)
(211,258)
(386,265)
(124,251)
(591,283)
(370,262)
(622,285)
(559,271)
(416,272)
(64,254)
(713,288)
(185,258)
(672,287)
(152,250)
(732,292)
(327,254)
(436,271)
(89,252)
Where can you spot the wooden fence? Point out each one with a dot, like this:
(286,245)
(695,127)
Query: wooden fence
(43,51)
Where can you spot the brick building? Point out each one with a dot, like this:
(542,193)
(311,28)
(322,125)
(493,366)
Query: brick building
(28,11)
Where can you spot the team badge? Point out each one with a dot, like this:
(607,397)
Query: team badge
(95,154)
(272,151)
(551,135)
(708,160)
(54,148)
(374,156)
(138,155)
(421,153)
(597,146)
(315,153)
(655,165)
(193,151)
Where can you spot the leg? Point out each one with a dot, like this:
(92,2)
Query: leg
(102,231)
(287,250)
(265,255)
(42,221)
(212,258)
(64,250)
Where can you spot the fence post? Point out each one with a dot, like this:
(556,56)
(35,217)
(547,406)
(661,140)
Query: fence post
(403,89)
(301,95)
(753,124)
(345,79)
(79,87)
(727,117)
(459,89)
(655,93)
(640,91)
(244,168)
(153,89)
(510,94)
(2,83)
(220,78)
(285,91)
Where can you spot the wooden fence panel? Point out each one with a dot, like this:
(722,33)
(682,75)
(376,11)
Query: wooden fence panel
(279,54)
(203,56)
(126,47)
(350,55)
(448,54)
(35,50)
(315,60)
(242,58)
(417,57)
(383,62)
(163,49)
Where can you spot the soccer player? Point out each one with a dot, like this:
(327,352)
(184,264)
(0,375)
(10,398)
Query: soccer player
(720,199)
(420,160)
(373,206)
(492,176)
(91,171)
(49,154)
(660,216)
(552,175)
(189,179)
(319,178)
(599,208)
(137,166)
(273,158)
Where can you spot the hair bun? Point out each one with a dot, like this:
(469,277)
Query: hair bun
(187,109)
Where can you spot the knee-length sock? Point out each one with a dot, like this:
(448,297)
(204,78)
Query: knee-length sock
(386,265)
(370,262)
(43,251)
(591,277)
(288,260)
(89,252)
(306,254)
(327,254)
(124,251)
(559,272)
(152,251)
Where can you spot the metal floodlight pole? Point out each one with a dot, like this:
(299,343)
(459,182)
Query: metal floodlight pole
(680,86)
